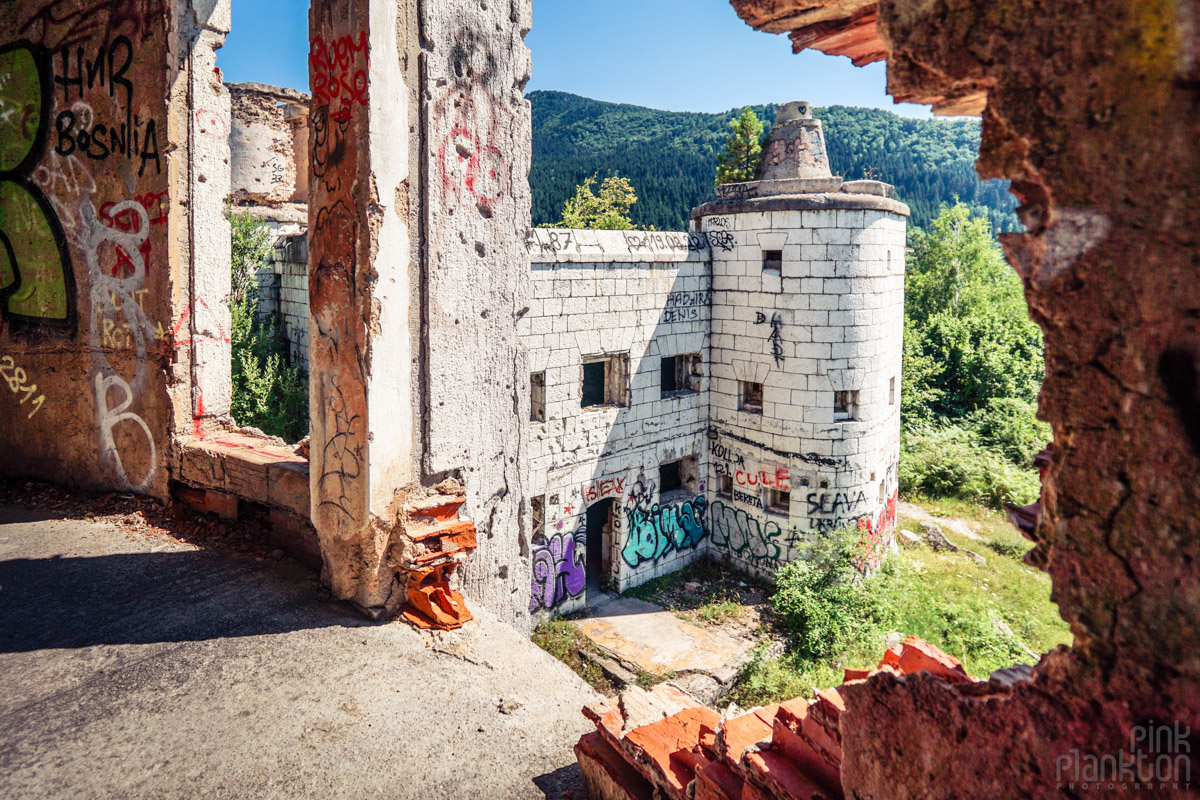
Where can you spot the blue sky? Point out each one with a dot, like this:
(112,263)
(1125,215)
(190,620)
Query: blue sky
(679,55)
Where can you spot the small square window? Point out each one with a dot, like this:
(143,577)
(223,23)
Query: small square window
(677,480)
(537,506)
(779,502)
(605,381)
(725,485)
(681,375)
(669,478)
(773,261)
(751,399)
(845,406)
(537,407)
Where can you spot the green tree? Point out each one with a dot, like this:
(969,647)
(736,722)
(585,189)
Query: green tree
(743,151)
(268,394)
(968,337)
(607,211)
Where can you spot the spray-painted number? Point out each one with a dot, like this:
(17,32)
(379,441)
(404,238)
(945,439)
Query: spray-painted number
(15,377)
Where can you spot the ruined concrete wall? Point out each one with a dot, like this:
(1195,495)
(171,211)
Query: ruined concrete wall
(1091,112)
(269,160)
(477,132)
(828,318)
(96,275)
(608,293)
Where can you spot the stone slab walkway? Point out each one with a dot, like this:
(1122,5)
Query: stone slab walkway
(135,667)
(645,636)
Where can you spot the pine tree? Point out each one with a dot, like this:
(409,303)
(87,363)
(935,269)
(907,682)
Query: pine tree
(743,152)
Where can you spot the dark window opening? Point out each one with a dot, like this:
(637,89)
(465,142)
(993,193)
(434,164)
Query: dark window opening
(751,397)
(669,478)
(772,261)
(537,383)
(681,375)
(606,381)
(725,485)
(892,392)
(537,506)
(779,502)
(594,389)
(845,406)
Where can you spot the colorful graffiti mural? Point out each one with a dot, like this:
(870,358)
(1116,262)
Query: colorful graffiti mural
(36,279)
(558,569)
(660,530)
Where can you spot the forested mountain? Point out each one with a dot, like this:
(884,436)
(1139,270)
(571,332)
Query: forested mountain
(671,157)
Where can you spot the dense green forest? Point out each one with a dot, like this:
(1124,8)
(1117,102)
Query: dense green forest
(671,157)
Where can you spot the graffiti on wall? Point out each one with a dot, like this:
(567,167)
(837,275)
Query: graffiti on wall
(80,21)
(339,74)
(686,306)
(807,150)
(762,544)
(654,533)
(36,279)
(599,490)
(15,377)
(559,574)
(470,163)
(876,535)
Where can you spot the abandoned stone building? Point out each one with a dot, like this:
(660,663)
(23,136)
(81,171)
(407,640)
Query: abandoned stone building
(728,392)
(114,335)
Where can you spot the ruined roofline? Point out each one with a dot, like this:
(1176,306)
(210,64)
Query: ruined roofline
(280,93)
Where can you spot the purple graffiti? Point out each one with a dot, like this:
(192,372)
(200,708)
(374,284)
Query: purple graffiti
(558,569)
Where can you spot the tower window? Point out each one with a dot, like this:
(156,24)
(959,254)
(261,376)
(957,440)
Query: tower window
(725,485)
(773,261)
(537,506)
(751,399)
(845,406)
(892,392)
(779,502)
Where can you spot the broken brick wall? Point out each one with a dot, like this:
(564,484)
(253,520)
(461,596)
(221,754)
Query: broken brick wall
(1091,108)
(98,207)
(268,144)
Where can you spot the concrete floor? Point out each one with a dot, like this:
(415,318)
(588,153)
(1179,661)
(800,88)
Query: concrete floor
(134,667)
(649,638)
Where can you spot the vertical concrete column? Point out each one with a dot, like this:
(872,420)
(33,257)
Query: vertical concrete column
(361,370)
(202,327)
(477,135)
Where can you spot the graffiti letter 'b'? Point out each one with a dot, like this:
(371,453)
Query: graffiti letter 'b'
(36,281)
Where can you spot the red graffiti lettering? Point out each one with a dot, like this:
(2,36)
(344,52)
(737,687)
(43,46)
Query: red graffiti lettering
(338,80)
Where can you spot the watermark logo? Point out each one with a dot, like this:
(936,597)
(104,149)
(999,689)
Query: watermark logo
(1159,758)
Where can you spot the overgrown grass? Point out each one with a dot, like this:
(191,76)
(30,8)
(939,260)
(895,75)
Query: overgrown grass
(989,616)
(563,640)
(704,593)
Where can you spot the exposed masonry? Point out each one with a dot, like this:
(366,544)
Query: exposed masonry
(732,392)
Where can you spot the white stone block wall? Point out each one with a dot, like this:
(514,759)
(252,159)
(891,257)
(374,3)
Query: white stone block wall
(832,319)
(602,294)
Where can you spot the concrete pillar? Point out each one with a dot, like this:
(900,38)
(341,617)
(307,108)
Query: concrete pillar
(419,148)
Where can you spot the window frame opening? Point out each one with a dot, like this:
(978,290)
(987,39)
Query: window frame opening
(680,375)
(614,392)
(778,502)
(537,396)
(845,405)
(746,395)
(772,262)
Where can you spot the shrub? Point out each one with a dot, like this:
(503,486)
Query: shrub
(824,600)
(953,461)
(1012,427)
(268,394)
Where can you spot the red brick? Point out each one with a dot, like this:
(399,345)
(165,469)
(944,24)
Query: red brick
(917,655)
(818,765)
(853,675)
(606,775)
(653,747)
(741,732)
(716,781)
(781,777)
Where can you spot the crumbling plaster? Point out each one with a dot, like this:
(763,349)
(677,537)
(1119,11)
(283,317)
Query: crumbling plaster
(1091,111)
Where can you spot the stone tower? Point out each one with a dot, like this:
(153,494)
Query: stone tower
(807,333)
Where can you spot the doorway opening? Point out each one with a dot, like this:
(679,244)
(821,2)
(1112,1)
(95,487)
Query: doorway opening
(599,534)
